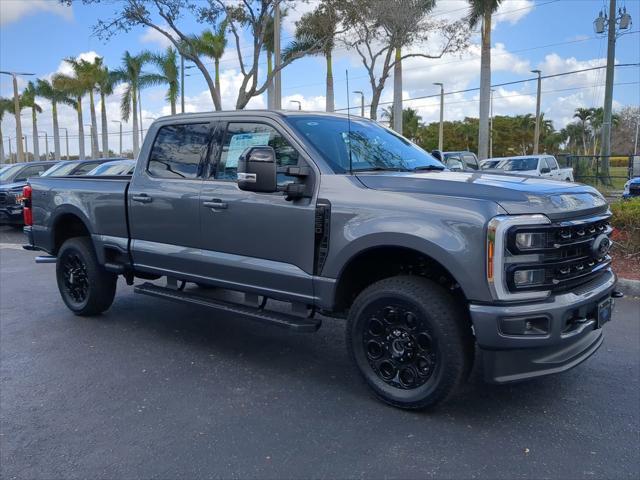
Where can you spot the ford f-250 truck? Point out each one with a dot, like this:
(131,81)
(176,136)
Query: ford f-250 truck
(342,217)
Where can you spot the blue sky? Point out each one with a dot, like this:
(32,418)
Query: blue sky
(552,35)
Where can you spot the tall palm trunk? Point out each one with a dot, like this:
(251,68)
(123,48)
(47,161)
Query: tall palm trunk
(270,86)
(105,131)
(330,104)
(81,154)
(485,87)
(136,138)
(2,145)
(397,92)
(140,113)
(56,130)
(36,143)
(217,80)
(173,106)
(94,127)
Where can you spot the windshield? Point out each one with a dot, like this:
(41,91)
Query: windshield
(112,168)
(59,170)
(9,172)
(372,146)
(519,164)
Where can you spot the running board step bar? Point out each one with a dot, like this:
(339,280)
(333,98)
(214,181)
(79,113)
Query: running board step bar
(299,324)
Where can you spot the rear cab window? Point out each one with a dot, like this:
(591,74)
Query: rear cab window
(179,150)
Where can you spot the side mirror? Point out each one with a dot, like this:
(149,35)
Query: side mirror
(545,170)
(455,165)
(257,170)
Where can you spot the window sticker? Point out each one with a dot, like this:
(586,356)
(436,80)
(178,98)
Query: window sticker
(240,142)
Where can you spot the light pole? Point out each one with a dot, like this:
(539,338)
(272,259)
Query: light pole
(623,19)
(11,153)
(93,154)
(441,129)
(491,125)
(46,146)
(118,121)
(182,75)
(26,148)
(277,83)
(361,101)
(16,109)
(298,102)
(66,134)
(536,134)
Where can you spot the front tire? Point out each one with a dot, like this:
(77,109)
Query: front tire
(410,341)
(85,286)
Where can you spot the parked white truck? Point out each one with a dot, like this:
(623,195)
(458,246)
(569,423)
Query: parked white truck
(536,166)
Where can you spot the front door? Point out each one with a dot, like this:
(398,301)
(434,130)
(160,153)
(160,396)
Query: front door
(164,198)
(256,241)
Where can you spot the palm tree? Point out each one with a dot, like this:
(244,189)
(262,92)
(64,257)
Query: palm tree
(212,45)
(315,33)
(269,48)
(168,66)
(584,115)
(596,120)
(28,99)
(480,12)
(6,105)
(131,73)
(46,90)
(106,82)
(75,88)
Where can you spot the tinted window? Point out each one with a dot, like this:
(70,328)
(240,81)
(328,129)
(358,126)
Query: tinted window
(519,164)
(9,172)
(31,171)
(543,164)
(372,146)
(178,150)
(60,169)
(551,161)
(85,168)
(470,161)
(240,136)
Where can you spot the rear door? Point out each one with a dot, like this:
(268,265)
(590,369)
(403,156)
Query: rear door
(257,241)
(164,198)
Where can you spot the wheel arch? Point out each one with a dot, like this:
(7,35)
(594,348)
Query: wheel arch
(68,222)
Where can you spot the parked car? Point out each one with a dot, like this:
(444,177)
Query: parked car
(489,163)
(631,188)
(13,178)
(345,218)
(117,167)
(457,161)
(76,167)
(537,166)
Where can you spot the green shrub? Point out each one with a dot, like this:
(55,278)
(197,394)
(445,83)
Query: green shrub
(626,222)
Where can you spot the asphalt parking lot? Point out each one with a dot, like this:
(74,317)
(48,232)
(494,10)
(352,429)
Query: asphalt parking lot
(154,389)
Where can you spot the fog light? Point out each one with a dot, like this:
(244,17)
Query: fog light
(525,278)
(531,240)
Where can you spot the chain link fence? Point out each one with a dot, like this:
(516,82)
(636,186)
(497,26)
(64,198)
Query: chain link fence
(592,169)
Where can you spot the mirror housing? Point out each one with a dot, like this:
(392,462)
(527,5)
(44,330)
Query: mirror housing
(545,170)
(257,170)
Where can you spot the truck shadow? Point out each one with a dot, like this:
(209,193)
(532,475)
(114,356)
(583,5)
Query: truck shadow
(320,358)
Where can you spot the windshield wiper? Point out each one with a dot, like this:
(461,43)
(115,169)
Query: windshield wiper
(426,168)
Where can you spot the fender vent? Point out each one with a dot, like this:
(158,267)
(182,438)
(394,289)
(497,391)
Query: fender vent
(322,228)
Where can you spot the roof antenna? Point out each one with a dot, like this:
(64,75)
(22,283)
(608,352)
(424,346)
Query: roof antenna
(349,124)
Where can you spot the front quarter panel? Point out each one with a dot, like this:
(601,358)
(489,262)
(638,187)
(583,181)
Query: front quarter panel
(450,230)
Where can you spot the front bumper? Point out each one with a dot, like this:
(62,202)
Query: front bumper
(572,335)
(11,215)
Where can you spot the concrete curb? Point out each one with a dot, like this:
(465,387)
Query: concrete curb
(629,287)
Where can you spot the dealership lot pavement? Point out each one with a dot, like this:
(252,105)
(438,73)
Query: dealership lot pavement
(159,390)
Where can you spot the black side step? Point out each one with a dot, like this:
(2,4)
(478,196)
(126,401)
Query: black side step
(299,324)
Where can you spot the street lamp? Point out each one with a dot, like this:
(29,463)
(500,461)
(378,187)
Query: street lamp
(441,129)
(609,22)
(118,121)
(298,102)
(93,153)
(66,134)
(361,93)
(16,107)
(536,134)
(182,75)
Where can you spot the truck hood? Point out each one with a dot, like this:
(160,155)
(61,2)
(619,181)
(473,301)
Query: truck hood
(11,186)
(517,194)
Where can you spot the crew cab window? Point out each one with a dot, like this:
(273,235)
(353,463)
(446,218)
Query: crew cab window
(544,164)
(31,171)
(553,164)
(85,168)
(178,150)
(240,136)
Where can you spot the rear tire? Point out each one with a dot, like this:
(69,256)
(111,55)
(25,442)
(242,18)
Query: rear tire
(410,340)
(85,286)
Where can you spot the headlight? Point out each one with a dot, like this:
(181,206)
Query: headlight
(498,276)
(531,240)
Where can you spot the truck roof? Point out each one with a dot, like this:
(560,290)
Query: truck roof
(258,113)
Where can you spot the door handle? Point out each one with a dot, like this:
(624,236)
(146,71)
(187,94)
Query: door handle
(215,204)
(142,198)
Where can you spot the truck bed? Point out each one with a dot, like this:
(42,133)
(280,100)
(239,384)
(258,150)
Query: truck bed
(99,200)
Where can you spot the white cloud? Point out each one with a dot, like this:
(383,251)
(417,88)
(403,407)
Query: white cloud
(14,10)
(151,35)
(512,11)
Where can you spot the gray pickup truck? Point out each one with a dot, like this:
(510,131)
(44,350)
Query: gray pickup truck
(342,217)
